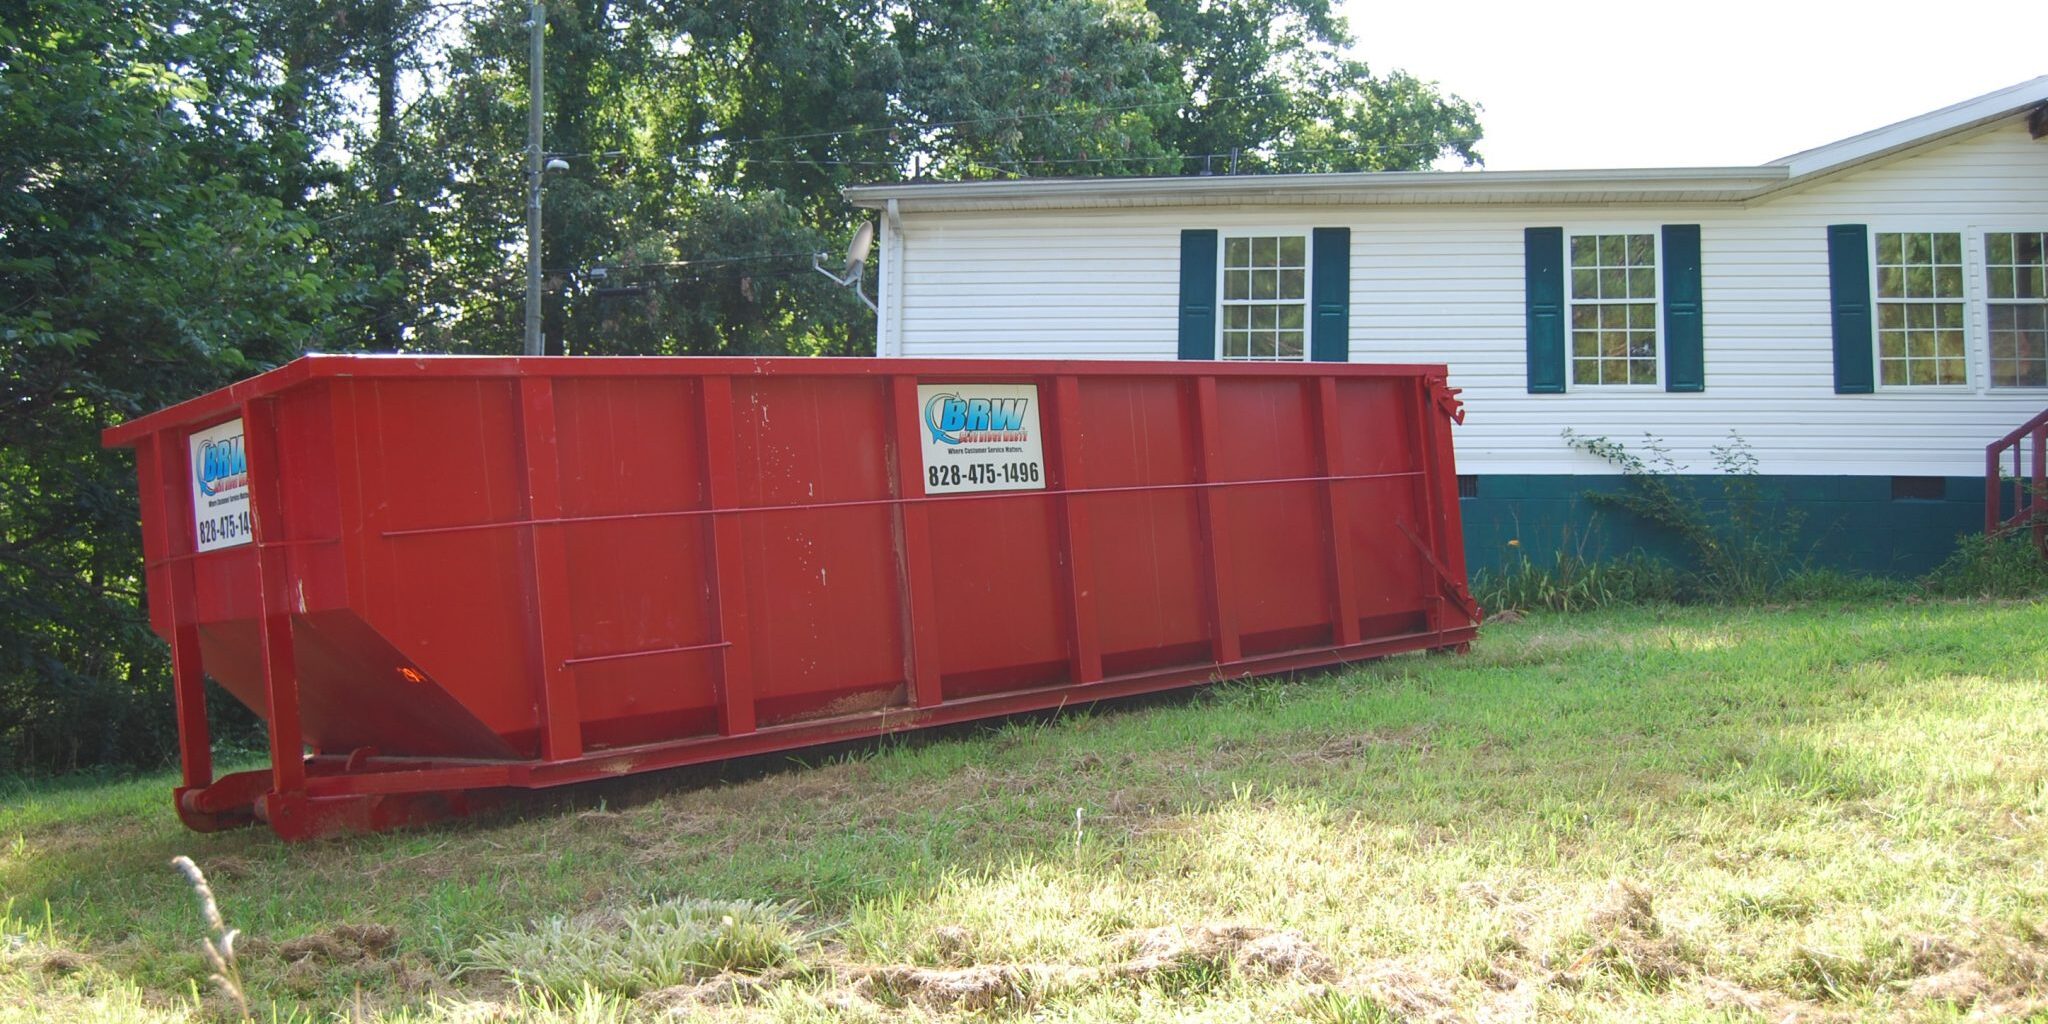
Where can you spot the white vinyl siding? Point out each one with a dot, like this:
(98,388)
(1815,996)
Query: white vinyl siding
(1444,284)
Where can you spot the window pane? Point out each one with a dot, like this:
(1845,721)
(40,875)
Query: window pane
(1585,371)
(1919,282)
(1613,317)
(1998,248)
(1891,283)
(1918,249)
(1642,250)
(2028,248)
(1585,316)
(1237,284)
(1920,344)
(1888,249)
(1585,343)
(1236,318)
(1584,251)
(1291,285)
(1951,344)
(1951,372)
(1614,284)
(1949,314)
(1290,344)
(1642,283)
(1290,318)
(1264,318)
(1890,315)
(1237,252)
(1265,251)
(1611,250)
(1292,251)
(1263,283)
(1948,248)
(1892,372)
(1948,283)
(1614,344)
(1642,345)
(1235,344)
(1585,284)
(1920,314)
(1891,345)
(1613,371)
(1642,315)
(1642,371)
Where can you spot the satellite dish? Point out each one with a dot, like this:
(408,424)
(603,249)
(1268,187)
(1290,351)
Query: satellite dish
(857,253)
(856,258)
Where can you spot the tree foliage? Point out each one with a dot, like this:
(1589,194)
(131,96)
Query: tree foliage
(194,190)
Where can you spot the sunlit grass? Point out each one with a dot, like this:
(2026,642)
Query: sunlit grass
(1698,814)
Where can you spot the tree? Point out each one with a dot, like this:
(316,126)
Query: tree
(137,268)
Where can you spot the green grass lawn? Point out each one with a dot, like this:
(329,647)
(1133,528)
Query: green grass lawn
(1813,813)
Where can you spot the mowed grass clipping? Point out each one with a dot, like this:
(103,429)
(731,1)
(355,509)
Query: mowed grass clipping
(1813,813)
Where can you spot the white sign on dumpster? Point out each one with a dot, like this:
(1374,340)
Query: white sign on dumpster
(981,437)
(220,487)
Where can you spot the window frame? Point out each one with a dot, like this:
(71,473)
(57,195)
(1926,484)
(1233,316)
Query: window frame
(1977,285)
(1976,355)
(1308,287)
(1656,233)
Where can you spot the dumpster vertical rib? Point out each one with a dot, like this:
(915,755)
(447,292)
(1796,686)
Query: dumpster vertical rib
(913,533)
(554,639)
(1086,661)
(1424,433)
(1330,450)
(721,486)
(1442,459)
(1214,525)
(274,622)
(174,528)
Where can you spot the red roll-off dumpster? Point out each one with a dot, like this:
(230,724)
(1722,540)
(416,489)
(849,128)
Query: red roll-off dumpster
(439,576)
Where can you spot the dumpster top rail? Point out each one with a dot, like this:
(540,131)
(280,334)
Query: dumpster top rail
(312,367)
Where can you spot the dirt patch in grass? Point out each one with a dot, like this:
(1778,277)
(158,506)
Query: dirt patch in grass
(348,943)
(1249,948)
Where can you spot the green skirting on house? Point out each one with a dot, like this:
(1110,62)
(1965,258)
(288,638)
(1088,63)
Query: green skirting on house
(1881,525)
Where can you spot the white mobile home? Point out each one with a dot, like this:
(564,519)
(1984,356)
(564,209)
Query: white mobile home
(1865,316)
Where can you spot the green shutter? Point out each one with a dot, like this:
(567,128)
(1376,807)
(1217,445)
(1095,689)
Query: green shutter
(1330,296)
(1685,364)
(1198,294)
(1543,272)
(1849,300)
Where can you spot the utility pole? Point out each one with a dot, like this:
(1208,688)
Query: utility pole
(536,24)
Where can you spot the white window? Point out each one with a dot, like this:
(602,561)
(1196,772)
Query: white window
(1920,340)
(2016,307)
(1265,297)
(1614,309)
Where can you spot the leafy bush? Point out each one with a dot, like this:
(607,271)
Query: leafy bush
(2002,566)
(1741,545)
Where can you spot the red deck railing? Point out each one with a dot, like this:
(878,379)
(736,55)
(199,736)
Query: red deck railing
(2027,480)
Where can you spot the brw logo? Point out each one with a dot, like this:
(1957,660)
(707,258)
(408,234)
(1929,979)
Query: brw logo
(956,420)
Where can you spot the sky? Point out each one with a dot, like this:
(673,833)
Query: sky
(1607,84)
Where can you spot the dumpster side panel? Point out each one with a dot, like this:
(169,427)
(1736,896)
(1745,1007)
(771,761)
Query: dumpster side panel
(822,584)
(436,458)
(1275,533)
(631,453)
(1144,543)
(1001,595)
(1376,419)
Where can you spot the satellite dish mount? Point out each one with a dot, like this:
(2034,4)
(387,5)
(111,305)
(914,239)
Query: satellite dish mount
(856,258)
